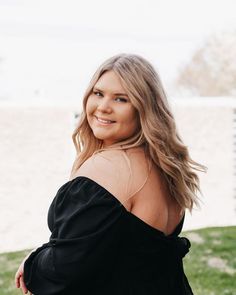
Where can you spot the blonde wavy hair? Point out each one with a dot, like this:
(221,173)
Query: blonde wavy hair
(157,133)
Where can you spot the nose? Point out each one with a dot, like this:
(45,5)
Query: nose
(104,105)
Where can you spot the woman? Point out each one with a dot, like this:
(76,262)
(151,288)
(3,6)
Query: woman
(115,224)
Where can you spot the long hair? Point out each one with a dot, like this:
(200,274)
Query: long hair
(157,133)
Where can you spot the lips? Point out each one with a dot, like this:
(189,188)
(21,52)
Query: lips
(104,121)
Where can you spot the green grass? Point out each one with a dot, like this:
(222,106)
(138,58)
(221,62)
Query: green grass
(210,265)
(9,263)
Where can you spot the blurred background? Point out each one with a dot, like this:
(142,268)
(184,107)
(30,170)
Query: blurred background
(49,51)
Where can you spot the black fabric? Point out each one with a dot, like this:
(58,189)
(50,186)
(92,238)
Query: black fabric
(98,247)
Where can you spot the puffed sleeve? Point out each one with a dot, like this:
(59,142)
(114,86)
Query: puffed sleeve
(86,230)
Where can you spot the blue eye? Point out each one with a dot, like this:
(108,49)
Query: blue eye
(97,93)
(122,99)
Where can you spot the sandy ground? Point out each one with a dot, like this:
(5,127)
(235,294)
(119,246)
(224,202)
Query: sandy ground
(36,154)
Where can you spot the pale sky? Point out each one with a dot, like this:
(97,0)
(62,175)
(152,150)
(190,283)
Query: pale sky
(50,48)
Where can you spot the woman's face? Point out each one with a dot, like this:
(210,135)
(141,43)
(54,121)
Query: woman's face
(110,114)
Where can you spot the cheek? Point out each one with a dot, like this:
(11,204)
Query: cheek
(89,106)
(132,119)
(135,123)
(89,110)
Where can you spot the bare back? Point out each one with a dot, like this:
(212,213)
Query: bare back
(137,183)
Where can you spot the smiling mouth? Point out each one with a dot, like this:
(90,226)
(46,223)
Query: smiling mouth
(104,122)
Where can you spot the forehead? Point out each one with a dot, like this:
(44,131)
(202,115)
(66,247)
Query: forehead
(109,81)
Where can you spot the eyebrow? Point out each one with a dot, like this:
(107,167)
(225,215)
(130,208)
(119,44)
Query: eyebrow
(123,94)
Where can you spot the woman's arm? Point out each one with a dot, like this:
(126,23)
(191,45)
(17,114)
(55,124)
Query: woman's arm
(19,276)
(87,230)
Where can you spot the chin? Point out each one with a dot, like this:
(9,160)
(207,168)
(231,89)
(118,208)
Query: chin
(100,137)
(104,139)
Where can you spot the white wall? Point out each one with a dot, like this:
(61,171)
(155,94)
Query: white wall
(36,154)
(207,126)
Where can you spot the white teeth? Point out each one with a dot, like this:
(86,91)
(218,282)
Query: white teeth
(104,121)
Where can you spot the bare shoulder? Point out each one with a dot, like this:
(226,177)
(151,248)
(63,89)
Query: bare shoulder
(108,161)
(110,170)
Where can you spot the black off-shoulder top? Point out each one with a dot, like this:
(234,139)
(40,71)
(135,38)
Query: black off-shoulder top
(98,247)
